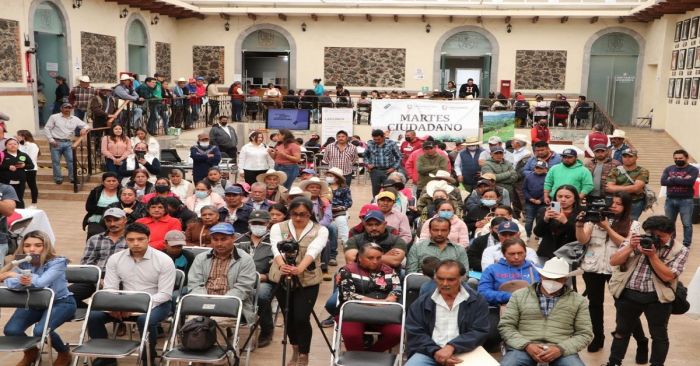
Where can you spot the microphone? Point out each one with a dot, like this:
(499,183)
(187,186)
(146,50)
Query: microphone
(26,259)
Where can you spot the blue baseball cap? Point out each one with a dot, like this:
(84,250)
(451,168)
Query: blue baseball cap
(508,227)
(569,152)
(233,190)
(309,171)
(374,215)
(222,228)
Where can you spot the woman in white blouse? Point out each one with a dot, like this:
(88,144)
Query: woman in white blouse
(143,136)
(254,158)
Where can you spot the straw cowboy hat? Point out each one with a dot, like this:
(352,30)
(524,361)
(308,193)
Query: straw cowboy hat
(281,175)
(618,134)
(471,141)
(315,180)
(443,175)
(520,137)
(555,268)
(438,185)
(296,191)
(338,174)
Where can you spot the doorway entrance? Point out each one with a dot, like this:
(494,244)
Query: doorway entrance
(612,77)
(51,54)
(266,59)
(137,48)
(466,55)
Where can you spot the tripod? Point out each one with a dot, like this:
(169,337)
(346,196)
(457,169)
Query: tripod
(288,282)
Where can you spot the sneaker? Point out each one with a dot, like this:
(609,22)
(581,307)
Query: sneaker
(328,322)
(59,182)
(327,276)
(333,262)
(264,340)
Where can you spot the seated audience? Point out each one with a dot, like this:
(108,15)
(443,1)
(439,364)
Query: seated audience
(514,266)
(197,231)
(278,213)
(394,218)
(257,199)
(235,212)
(204,196)
(216,180)
(459,234)
(438,245)
(97,202)
(474,199)
(139,181)
(174,241)
(182,187)
(376,231)
(493,254)
(140,159)
(161,189)
(115,147)
(273,181)
(482,214)
(179,211)
(507,213)
(158,222)
(476,249)
(133,208)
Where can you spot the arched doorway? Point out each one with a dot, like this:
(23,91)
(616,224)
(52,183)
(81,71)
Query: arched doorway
(612,75)
(267,55)
(51,59)
(463,53)
(137,47)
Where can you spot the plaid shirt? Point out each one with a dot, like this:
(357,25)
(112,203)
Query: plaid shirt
(80,97)
(385,156)
(341,159)
(640,280)
(547,302)
(98,249)
(217,283)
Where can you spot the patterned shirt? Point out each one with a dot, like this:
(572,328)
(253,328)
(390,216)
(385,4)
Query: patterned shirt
(217,283)
(641,281)
(342,197)
(385,156)
(99,248)
(355,283)
(80,97)
(341,159)
(636,174)
(547,302)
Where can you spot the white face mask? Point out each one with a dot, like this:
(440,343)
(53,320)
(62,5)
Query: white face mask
(330,180)
(204,144)
(258,230)
(551,286)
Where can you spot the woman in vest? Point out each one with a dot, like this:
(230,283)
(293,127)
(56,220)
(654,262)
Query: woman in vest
(299,272)
(601,240)
(368,279)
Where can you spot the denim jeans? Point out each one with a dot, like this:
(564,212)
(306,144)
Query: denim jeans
(194,115)
(684,207)
(348,179)
(377,176)
(65,149)
(331,305)
(637,209)
(63,310)
(96,324)
(292,171)
(341,223)
(516,357)
(237,105)
(530,215)
(265,294)
(332,243)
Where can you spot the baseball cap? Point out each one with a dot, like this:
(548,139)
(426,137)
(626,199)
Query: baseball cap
(489,176)
(114,212)
(222,228)
(259,216)
(386,194)
(309,171)
(541,164)
(493,140)
(200,78)
(569,152)
(374,215)
(175,238)
(233,190)
(4,117)
(483,182)
(496,149)
(631,152)
(429,144)
(600,147)
(66,105)
(508,227)
(367,208)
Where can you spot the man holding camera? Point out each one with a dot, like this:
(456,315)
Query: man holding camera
(645,274)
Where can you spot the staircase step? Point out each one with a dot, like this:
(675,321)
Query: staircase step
(59,195)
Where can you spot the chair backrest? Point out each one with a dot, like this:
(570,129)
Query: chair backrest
(83,273)
(210,305)
(179,280)
(35,298)
(112,300)
(289,104)
(411,287)
(196,250)
(371,314)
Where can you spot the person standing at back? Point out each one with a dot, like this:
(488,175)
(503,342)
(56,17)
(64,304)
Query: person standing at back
(29,147)
(59,130)
(382,158)
(224,136)
(469,89)
(629,178)
(679,180)
(596,137)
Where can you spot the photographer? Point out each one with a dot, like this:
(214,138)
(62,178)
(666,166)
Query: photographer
(301,240)
(643,266)
(602,230)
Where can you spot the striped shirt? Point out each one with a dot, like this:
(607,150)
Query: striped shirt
(341,159)
(383,156)
(217,283)
(80,97)
(641,281)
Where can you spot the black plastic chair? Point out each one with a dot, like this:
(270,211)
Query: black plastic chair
(37,299)
(411,287)
(84,274)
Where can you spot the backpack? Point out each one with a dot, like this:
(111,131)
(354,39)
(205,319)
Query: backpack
(198,334)
(649,195)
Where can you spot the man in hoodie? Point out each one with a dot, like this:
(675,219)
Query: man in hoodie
(570,171)
(505,172)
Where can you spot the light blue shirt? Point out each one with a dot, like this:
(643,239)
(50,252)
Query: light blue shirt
(51,275)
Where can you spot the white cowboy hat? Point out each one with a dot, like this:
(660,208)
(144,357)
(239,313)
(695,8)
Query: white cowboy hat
(618,134)
(520,137)
(470,141)
(296,191)
(555,268)
(281,175)
(84,79)
(315,180)
(181,80)
(337,173)
(438,185)
(124,77)
(443,175)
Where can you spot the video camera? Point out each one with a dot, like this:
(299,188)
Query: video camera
(649,241)
(290,250)
(597,211)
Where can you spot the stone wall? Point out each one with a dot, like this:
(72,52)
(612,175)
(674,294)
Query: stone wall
(368,67)
(208,61)
(99,57)
(540,69)
(163,59)
(11,59)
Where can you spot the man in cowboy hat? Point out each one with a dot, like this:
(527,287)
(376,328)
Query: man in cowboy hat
(125,91)
(273,179)
(617,140)
(505,172)
(518,158)
(80,96)
(467,166)
(429,163)
(536,331)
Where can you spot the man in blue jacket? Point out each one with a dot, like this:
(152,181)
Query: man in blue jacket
(450,321)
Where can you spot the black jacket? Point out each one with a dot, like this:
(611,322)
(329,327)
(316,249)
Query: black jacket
(554,234)
(476,251)
(138,211)
(91,204)
(6,175)
(242,215)
(472,319)
(185,215)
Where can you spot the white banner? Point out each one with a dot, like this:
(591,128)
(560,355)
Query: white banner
(334,120)
(445,120)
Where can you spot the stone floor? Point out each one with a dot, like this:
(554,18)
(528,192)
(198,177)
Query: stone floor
(66,217)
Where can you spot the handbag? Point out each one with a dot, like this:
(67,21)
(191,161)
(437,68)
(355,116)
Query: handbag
(680,304)
(572,253)
(199,335)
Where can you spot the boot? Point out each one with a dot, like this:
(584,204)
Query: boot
(597,343)
(295,356)
(63,359)
(303,359)
(642,356)
(30,356)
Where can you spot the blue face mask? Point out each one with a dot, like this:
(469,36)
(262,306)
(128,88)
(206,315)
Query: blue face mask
(201,194)
(488,203)
(446,214)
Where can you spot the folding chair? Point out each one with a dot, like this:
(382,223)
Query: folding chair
(37,299)
(411,287)
(251,322)
(112,300)
(85,274)
(375,313)
(646,120)
(177,294)
(195,250)
(364,110)
(205,305)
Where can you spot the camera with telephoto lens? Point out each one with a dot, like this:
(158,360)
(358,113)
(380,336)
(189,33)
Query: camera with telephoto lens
(648,241)
(597,211)
(289,249)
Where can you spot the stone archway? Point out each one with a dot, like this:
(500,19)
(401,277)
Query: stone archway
(137,20)
(437,54)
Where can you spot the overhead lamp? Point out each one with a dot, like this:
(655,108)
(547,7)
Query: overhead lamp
(227,26)
(155,20)
(77,4)
(303,27)
(509,28)
(427,28)
(124,13)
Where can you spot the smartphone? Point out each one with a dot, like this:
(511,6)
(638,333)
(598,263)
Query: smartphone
(555,206)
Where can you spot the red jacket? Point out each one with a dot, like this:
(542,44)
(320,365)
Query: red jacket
(408,147)
(595,138)
(538,133)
